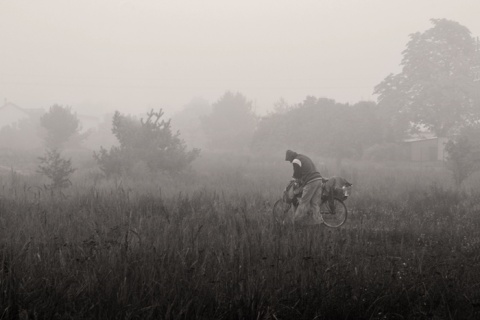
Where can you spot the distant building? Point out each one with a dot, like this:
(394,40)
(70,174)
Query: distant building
(10,114)
(425,148)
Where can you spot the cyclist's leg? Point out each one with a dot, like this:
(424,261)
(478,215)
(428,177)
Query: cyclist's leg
(315,203)
(305,202)
(331,200)
(329,192)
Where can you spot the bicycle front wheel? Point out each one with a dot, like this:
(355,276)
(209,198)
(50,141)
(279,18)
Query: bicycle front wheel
(334,213)
(281,211)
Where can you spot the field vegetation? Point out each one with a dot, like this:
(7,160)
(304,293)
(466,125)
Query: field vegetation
(127,220)
(203,245)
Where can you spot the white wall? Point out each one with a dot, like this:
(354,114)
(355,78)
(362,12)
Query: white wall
(10,114)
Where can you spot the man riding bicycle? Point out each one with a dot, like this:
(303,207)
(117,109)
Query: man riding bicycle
(310,180)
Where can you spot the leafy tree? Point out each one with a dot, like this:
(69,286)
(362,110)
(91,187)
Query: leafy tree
(151,142)
(463,153)
(231,124)
(281,106)
(320,126)
(112,162)
(102,135)
(62,126)
(366,126)
(436,85)
(22,135)
(58,169)
(273,134)
(188,122)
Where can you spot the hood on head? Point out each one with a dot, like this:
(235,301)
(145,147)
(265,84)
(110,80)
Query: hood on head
(290,155)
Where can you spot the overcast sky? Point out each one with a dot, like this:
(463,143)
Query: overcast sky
(132,55)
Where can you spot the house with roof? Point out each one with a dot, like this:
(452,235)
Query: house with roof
(425,147)
(11,113)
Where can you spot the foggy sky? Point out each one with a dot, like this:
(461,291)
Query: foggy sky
(101,55)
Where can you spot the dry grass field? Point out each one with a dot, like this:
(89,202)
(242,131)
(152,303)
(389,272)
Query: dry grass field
(204,246)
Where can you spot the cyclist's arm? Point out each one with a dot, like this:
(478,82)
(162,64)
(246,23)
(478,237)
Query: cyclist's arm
(297,165)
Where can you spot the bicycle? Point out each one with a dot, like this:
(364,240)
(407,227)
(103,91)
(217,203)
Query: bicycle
(334,213)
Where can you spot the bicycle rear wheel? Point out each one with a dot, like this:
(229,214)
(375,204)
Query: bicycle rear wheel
(334,215)
(281,211)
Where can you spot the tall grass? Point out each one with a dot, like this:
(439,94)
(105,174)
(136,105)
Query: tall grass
(204,246)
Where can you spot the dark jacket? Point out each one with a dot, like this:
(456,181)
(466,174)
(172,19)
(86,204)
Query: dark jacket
(303,167)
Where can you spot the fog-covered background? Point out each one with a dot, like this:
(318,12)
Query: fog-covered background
(337,80)
(142,148)
(102,55)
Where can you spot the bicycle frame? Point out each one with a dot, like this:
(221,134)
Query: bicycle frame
(290,197)
(334,211)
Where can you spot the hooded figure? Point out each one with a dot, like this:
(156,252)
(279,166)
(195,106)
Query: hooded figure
(311,181)
(290,155)
(304,169)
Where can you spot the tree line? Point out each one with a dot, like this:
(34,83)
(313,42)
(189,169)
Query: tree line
(437,89)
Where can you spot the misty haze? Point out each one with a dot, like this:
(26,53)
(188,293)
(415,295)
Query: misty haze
(239,159)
